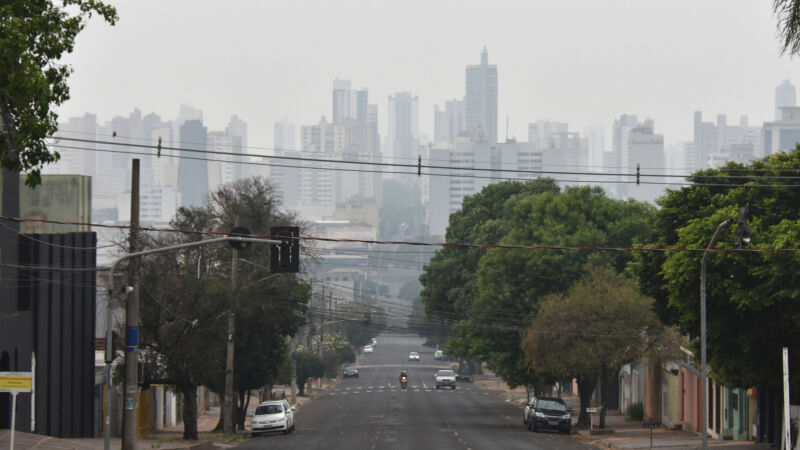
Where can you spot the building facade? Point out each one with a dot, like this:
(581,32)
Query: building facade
(481,100)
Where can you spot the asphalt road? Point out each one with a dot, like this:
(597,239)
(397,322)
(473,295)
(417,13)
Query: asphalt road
(372,412)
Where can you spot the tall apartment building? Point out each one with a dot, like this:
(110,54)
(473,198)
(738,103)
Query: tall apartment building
(193,173)
(448,187)
(785,95)
(403,131)
(449,123)
(783,134)
(349,103)
(480,100)
(635,146)
(716,143)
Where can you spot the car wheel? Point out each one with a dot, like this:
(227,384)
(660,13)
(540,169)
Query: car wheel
(530,425)
(454,387)
(292,426)
(286,431)
(533,425)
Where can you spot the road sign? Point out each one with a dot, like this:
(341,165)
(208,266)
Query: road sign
(591,410)
(16,381)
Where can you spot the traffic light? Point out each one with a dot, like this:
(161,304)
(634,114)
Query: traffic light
(285,257)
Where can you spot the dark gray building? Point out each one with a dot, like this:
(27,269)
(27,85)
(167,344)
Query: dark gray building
(193,167)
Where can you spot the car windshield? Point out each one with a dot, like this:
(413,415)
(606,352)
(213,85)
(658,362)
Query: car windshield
(445,373)
(349,368)
(269,409)
(413,353)
(552,405)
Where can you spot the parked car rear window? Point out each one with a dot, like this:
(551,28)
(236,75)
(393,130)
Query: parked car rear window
(269,409)
(551,405)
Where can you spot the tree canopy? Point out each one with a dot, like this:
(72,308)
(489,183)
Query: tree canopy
(449,282)
(196,284)
(590,331)
(34,36)
(513,282)
(751,296)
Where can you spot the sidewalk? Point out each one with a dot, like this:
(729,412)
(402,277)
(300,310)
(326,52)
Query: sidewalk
(632,435)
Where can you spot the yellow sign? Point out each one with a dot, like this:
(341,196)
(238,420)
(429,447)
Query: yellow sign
(15,381)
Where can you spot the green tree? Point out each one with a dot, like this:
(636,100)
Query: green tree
(449,281)
(267,307)
(590,332)
(788,13)
(336,350)
(751,296)
(513,282)
(308,365)
(34,36)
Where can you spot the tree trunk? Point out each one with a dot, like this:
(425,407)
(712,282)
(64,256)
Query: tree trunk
(604,382)
(189,392)
(586,385)
(244,411)
(221,422)
(301,387)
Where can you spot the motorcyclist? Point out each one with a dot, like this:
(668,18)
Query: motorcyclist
(403,374)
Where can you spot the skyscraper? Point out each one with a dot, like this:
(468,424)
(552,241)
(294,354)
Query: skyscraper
(449,123)
(785,95)
(347,103)
(481,100)
(193,173)
(403,126)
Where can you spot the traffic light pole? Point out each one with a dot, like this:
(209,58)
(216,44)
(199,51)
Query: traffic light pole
(109,324)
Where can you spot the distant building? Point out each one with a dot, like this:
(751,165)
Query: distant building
(157,205)
(785,95)
(448,187)
(713,141)
(284,136)
(449,123)
(349,103)
(193,173)
(481,100)
(784,134)
(403,132)
(635,145)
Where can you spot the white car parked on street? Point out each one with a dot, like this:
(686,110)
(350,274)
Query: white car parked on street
(367,349)
(274,415)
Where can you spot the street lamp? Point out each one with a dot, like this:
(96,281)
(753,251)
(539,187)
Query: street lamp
(742,238)
(130,409)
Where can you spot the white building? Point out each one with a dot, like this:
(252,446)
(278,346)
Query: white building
(449,123)
(784,134)
(157,205)
(713,142)
(785,95)
(481,100)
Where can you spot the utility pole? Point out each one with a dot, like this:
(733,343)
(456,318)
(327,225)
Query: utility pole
(228,423)
(293,350)
(787,434)
(130,427)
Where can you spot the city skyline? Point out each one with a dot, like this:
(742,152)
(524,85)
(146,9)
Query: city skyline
(567,66)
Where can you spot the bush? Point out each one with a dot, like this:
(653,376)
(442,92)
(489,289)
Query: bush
(635,412)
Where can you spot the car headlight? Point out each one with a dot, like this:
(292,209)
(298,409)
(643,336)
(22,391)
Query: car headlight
(567,416)
(539,414)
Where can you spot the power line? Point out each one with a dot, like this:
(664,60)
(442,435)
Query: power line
(429,167)
(428,244)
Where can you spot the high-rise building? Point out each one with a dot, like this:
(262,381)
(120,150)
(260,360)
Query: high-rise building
(193,173)
(448,124)
(403,132)
(635,147)
(237,130)
(284,137)
(481,100)
(713,142)
(785,95)
(74,161)
(783,134)
(349,103)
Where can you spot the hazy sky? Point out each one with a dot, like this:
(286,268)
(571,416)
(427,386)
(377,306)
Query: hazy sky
(583,62)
